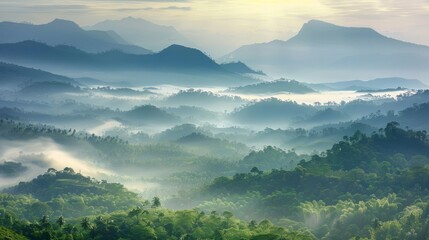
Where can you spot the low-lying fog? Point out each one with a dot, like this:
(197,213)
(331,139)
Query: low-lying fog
(160,139)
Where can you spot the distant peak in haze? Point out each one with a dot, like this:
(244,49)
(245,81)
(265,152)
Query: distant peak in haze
(314,28)
(314,25)
(335,52)
(128,20)
(144,33)
(63,23)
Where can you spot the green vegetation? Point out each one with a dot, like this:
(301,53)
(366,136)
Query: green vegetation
(7,234)
(67,205)
(364,186)
(66,193)
(117,152)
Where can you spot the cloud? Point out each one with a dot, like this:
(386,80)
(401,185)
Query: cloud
(173,8)
(177,8)
(44,8)
(163,0)
(367,7)
(57,7)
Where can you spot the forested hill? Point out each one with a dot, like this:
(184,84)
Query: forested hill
(67,193)
(383,177)
(58,183)
(71,206)
(393,152)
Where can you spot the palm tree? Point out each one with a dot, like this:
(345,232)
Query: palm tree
(44,221)
(99,221)
(61,221)
(156,202)
(85,223)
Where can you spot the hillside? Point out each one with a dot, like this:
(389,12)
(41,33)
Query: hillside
(359,179)
(332,52)
(48,88)
(274,87)
(79,195)
(275,111)
(15,77)
(176,64)
(240,68)
(144,33)
(63,32)
(148,114)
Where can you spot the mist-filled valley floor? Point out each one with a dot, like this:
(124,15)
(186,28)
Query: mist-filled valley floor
(102,139)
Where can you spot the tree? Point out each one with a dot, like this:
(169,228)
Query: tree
(44,221)
(256,171)
(85,223)
(156,202)
(61,221)
(135,213)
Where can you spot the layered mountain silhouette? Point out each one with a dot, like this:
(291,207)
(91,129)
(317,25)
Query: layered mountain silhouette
(323,51)
(173,65)
(175,58)
(144,33)
(63,32)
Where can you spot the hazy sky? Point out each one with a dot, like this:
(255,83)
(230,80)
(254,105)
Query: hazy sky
(220,26)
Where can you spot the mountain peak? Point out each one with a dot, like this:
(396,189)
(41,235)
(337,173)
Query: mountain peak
(318,23)
(131,19)
(179,49)
(63,23)
(318,26)
(320,32)
(178,55)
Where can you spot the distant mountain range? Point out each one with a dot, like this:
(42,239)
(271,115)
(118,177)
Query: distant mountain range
(175,57)
(187,65)
(374,84)
(322,51)
(63,32)
(144,33)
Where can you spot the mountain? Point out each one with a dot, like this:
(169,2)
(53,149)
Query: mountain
(148,114)
(144,33)
(48,88)
(63,32)
(203,99)
(377,84)
(173,65)
(240,68)
(15,77)
(322,51)
(278,86)
(278,113)
(175,57)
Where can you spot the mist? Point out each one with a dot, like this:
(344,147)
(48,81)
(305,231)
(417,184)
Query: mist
(128,129)
(38,155)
